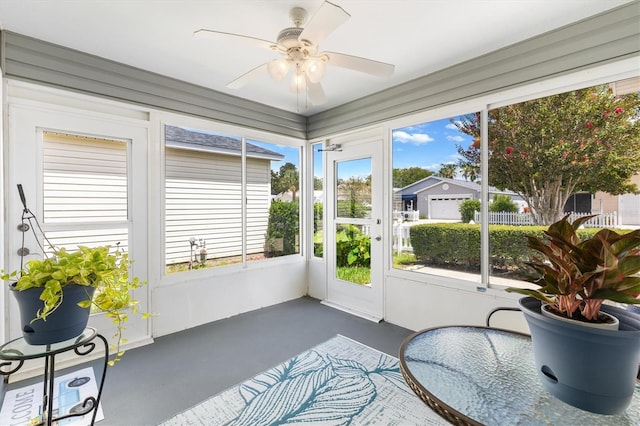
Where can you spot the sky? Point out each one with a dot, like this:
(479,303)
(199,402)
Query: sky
(428,145)
(425,145)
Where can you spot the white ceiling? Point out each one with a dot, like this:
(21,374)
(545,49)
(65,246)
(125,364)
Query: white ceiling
(418,36)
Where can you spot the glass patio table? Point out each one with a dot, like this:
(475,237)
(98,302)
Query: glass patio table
(486,376)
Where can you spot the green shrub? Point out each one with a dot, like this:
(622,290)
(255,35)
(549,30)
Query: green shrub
(283,224)
(457,246)
(317,215)
(318,250)
(353,248)
(317,233)
(447,244)
(468,208)
(503,203)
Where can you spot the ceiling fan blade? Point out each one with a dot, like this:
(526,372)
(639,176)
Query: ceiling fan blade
(324,22)
(316,93)
(222,36)
(247,77)
(368,66)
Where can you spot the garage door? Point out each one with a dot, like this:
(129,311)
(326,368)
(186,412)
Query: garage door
(445,208)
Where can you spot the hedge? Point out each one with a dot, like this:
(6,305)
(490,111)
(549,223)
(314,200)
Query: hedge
(458,245)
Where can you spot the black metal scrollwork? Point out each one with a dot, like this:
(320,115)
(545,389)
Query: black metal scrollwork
(85,349)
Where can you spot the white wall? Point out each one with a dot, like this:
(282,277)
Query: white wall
(317,278)
(427,301)
(186,304)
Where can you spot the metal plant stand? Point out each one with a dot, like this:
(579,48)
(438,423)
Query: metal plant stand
(14,353)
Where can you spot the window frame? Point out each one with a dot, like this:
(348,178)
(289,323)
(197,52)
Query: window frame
(603,74)
(244,134)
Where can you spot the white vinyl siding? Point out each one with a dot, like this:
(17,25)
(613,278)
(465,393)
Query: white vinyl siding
(204,201)
(258,202)
(85,191)
(85,179)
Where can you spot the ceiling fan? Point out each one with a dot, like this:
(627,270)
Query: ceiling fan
(298,46)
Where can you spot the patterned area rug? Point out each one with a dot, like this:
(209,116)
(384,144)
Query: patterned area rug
(339,382)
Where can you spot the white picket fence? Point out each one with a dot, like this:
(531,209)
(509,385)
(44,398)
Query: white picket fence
(605,220)
(406,215)
(506,218)
(401,240)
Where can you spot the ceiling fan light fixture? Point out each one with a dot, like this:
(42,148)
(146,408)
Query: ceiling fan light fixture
(298,82)
(314,68)
(278,68)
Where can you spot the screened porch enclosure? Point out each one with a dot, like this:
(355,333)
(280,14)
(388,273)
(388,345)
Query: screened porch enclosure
(221,197)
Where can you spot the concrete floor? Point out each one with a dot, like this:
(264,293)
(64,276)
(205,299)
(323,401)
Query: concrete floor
(154,382)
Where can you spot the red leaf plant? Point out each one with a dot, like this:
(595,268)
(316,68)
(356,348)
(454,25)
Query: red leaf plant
(576,276)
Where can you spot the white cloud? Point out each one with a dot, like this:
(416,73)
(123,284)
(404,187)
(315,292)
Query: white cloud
(433,167)
(455,138)
(451,126)
(414,138)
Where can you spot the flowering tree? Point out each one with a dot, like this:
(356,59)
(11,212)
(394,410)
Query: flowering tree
(549,148)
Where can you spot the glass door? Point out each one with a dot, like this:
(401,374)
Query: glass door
(354,235)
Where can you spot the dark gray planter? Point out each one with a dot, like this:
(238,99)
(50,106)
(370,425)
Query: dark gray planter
(589,368)
(66,322)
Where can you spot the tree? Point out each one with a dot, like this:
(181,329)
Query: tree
(354,197)
(409,175)
(469,172)
(447,171)
(287,179)
(547,149)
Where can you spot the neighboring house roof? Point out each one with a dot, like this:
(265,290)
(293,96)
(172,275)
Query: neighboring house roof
(178,137)
(432,181)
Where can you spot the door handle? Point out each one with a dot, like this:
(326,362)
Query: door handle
(378,238)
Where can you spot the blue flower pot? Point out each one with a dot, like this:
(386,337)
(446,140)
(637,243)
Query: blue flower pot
(66,322)
(589,368)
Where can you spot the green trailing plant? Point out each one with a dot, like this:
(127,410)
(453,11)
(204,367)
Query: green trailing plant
(99,267)
(576,276)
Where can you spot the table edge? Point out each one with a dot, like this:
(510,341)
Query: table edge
(442,409)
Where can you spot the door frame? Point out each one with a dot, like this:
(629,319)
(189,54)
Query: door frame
(24,154)
(349,298)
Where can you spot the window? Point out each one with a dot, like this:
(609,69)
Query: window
(85,191)
(318,198)
(204,190)
(280,210)
(434,199)
(570,153)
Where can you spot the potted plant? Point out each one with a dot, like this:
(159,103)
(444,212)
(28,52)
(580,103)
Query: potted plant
(56,294)
(591,368)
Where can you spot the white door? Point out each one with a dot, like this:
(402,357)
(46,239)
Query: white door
(85,180)
(354,232)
